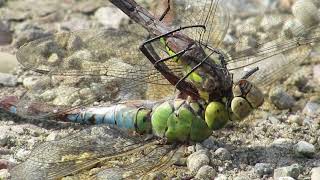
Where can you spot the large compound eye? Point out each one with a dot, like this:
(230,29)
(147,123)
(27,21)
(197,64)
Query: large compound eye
(240,107)
(255,97)
(246,98)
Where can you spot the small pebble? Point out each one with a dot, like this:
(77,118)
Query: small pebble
(196,160)
(286,178)
(295,119)
(4,164)
(110,17)
(263,169)
(206,172)
(281,99)
(283,143)
(4,174)
(191,149)
(316,73)
(30,82)
(199,147)
(8,80)
(22,154)
(4,138)
(291,171)
(52,136)
(5,32)
(221,177)
(210,143)
(8,62)
(311,108)
(242,178)
(222,154)
(304,149)
(315,173)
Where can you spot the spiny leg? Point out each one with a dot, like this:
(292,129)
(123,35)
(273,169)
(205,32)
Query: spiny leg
(166,11)
(148,50)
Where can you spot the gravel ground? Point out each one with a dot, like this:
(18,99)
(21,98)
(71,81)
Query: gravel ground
(280,140)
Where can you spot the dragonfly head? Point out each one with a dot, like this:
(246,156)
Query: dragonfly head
(246,98)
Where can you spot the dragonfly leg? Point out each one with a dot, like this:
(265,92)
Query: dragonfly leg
(179,54)
(249,73)
(165,12)
(171,32)
(153,57)
(145,48)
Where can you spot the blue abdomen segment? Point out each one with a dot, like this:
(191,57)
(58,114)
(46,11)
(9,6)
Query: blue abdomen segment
(121,115)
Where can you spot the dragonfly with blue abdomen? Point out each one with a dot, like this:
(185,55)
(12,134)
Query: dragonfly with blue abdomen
(182,51)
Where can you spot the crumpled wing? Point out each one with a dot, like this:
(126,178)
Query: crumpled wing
(79,68)
(95,146)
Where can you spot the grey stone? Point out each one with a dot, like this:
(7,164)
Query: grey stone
(191,149)
(210,143)
(196,160)
(283,143)
(286,178)
(315,173)
(8,80)
(263,169)
(316,73)
(242,178)
(304,149)
(281,99)
(270,22)
(295,119)
(110,17)
(52,136)
(30,35)
(206,172)
(273,120)
(4,138)
(4,174)
(30,82)
(221,177)
(199,147)
(222,154)
(87,7)
(22,154)
(2,2)
(8,62)
(311,108)
(291,171)
(5,33)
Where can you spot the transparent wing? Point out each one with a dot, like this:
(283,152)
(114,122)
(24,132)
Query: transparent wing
(79,68)
(274,43)
(210,13)
(109,148)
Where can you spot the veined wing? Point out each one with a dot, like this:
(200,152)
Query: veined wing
(210,13)
(96,146)
(79,68)
(274,43)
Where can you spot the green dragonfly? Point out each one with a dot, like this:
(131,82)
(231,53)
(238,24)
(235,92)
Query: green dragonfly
(183,56)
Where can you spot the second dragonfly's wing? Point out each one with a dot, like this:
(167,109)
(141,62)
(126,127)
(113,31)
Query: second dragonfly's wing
(277,44)
(111,149)
(210,13)
(82,67)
